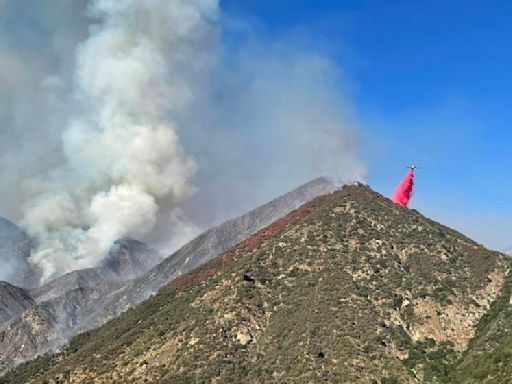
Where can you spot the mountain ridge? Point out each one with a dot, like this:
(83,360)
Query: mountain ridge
(86,298)
(37,320)
(209,244)
(350,288)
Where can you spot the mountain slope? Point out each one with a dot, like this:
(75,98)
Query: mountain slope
(206,246)
(348,288)
(37,320)
(85,298)
(13,301)
(489,358)
(127,259)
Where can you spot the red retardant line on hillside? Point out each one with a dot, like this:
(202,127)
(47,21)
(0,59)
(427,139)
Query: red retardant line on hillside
(212,267)
(272,230)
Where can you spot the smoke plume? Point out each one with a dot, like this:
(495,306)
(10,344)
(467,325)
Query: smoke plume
(142,121)
(403,192)
(122,155)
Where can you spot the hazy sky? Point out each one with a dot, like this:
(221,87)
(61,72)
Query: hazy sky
(430,83)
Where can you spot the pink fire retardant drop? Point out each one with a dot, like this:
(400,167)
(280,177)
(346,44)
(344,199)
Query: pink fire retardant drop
(403,192)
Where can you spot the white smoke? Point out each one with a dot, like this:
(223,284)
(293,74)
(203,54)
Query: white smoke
(122,154)
(274,115)
(37,43)
(153,108)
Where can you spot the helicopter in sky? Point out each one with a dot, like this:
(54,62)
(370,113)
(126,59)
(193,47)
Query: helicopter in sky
(413,167)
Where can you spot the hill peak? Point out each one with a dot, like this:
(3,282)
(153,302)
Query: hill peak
(348,288)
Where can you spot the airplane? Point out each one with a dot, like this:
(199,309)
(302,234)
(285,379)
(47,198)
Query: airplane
(413,167)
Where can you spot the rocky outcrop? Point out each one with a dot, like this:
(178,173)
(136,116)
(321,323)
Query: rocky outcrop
(28,335)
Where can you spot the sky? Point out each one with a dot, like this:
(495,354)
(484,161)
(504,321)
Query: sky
(261,96)
(429,84)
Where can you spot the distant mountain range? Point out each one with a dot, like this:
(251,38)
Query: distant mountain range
(41,319)
(347,288)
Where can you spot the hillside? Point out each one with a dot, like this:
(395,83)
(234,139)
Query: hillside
(83,299)
(347,288)
(126,260)
(205,247)
(13,301)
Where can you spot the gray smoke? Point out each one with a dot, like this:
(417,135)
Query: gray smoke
(14,252)
(140,122)
(272,118)
(37,42)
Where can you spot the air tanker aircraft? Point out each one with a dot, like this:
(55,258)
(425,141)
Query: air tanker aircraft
(404,191)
